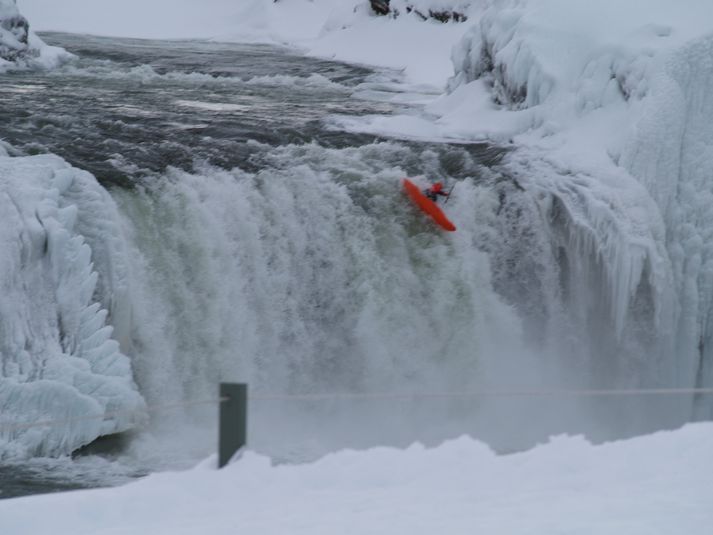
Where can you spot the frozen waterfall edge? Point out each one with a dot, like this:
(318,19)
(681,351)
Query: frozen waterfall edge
(60,360)
(616,132)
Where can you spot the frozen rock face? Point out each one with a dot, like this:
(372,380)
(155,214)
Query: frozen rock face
(59,360)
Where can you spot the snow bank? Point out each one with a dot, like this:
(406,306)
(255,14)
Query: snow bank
(21,48)
(643,486)
(58,360)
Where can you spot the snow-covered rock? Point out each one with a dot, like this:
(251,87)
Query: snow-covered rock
(58,360)
(20,47)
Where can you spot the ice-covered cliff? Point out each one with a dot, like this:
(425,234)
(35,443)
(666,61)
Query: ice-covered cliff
(20,47)
(607,104)
(63,279)
(63,291)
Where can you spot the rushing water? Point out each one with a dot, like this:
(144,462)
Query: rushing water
(263,244)
(169,125)
(129,107)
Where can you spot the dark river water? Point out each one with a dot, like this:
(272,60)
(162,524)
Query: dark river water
(130,107)
(127,107)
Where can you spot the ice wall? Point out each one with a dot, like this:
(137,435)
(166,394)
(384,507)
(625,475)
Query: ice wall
(607,104)
(63,280)
(671,153)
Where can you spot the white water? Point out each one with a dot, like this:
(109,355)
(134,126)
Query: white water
(314,276)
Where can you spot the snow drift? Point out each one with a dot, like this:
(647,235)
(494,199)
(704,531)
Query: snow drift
(643,486)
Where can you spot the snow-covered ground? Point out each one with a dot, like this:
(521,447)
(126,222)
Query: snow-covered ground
(652,485)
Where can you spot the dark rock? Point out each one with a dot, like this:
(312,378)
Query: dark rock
(381,7)
(411,9)
(105,445)
(447,16)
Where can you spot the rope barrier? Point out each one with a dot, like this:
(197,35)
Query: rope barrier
(491,393)
(13,426)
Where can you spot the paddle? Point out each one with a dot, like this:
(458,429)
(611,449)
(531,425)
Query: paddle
(449,192)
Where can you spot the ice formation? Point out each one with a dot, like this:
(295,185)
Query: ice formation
(62,275)
(607,104)
(19,46)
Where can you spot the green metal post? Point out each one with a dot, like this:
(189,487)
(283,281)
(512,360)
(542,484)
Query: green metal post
(233,420)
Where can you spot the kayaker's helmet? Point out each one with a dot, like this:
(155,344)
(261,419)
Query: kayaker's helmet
(437,187)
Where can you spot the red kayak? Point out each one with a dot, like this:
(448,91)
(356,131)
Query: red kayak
(427,205)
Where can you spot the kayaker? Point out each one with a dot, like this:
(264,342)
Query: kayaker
(434,191)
